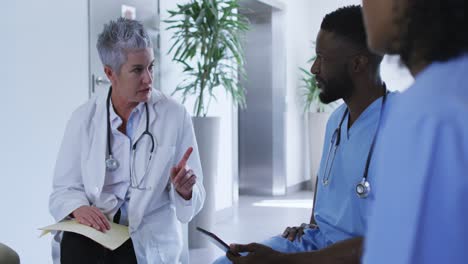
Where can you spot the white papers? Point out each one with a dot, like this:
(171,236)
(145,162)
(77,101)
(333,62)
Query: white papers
(111,239)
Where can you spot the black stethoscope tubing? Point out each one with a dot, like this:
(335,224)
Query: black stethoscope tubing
(111,163)
(363,187)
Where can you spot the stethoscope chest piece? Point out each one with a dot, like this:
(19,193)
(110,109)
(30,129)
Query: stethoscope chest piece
(363,188)
(112,164)
(325,182)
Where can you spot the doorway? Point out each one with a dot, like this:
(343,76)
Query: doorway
(100,13)
(262,158)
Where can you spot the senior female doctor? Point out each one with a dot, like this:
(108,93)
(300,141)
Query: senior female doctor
(125,158)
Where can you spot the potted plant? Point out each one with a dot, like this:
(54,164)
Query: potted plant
(316,117)
(207,42)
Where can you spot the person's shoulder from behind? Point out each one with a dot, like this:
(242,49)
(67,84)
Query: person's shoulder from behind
(439,92)
(426,137)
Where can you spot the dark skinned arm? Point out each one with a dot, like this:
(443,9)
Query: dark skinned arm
(312,219)
(347,251)
(344,252)
(292,233)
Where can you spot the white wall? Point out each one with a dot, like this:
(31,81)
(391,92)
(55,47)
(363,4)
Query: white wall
(44,78)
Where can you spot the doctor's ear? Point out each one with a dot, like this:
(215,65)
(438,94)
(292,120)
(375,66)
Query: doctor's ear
(110,73)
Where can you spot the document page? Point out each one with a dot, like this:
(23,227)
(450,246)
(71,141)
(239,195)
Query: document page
(111,239)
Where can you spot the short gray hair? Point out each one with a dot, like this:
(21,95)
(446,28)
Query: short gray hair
(119,36)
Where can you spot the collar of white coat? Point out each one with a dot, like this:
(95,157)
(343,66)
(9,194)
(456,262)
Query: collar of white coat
(98,149)
(100,118)
(156,97)
(101,100)
(116,120)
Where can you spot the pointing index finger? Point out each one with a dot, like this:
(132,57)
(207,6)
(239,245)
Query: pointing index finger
(185,158)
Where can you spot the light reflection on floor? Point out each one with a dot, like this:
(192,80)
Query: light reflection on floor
(304,203)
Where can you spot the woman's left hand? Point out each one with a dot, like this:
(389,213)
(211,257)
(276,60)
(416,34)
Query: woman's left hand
(183,178)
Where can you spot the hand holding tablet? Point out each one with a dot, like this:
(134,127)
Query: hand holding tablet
(217,241)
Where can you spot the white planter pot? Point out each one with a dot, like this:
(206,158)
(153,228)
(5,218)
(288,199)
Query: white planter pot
(316,135)
(207,134)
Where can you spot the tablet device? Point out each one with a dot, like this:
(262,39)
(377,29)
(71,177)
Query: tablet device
(216,240)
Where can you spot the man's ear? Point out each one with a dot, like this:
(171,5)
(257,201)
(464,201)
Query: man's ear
(360,63)
(111,74)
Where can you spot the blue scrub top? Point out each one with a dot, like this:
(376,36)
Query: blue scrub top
(339,212)
(420,211)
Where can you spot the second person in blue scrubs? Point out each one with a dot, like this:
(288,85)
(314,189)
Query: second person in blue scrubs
(344,69)
(420,211)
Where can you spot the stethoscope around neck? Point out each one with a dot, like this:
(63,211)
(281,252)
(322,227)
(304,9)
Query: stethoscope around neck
(363,188)
(112,164)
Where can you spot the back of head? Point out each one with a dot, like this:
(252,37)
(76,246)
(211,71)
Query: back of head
(348,23)
(436,30)
(8,255)
(117,38)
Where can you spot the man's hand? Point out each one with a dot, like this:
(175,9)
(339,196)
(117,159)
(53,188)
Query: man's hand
(258,254)
(184,178)
(91,216)
(291,233)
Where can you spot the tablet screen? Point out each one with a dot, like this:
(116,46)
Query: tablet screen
(215,240)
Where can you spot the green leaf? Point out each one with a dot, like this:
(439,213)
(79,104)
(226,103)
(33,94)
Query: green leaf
(207,34)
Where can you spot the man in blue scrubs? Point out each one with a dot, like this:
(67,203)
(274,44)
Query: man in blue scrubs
(420,211)
(344,69)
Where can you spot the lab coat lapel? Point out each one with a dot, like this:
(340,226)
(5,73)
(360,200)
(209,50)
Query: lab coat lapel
(143,146)
(96,169)
(140,198)
(156,96)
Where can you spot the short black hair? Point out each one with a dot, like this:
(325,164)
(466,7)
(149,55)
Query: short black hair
(348,22)
(437,30)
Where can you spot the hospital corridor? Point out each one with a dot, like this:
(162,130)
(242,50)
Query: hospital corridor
(233,131)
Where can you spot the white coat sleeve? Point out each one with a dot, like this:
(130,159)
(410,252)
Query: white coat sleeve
(187,209)
(68,189)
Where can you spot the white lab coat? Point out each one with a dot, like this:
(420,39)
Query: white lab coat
(155,215)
